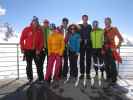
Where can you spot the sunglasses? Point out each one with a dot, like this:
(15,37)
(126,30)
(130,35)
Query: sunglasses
(73,28)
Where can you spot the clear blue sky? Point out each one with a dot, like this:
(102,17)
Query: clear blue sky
(19,12)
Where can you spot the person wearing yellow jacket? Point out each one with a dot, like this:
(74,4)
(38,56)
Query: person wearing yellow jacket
(55,51)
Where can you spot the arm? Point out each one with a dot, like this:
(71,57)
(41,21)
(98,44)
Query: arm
(40,41)
(49,45)
(119,36)
(62,46)
(77,43)
(22,39)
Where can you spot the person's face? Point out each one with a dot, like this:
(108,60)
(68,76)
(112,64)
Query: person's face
(46,24)
(73,29)
(85,19)
(107,23)
(65,23)
(34,24)
(95,25)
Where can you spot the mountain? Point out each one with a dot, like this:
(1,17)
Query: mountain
(7,34)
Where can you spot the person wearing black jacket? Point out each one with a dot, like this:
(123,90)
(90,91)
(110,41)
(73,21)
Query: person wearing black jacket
(64,29)
(85,47)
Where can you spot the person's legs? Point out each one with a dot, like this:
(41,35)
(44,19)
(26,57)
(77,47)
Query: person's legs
(29,58)
(49,70)
(94,52)
(82,58)
(58,67)
(107,64)
(73,64)
(88,61)
(65,65)
(114,72)
(101,62)
(39,60)
(111,69)
(75,69)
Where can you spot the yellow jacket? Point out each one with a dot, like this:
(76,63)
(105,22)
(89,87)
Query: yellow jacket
(56,44)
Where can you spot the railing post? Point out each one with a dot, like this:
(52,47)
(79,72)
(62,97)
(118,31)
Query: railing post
(17,61)
(118,62)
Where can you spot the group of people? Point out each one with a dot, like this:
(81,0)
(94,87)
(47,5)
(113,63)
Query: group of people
(65,44)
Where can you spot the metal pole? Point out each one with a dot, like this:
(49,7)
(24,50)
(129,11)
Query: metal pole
(17,61)
(118,63)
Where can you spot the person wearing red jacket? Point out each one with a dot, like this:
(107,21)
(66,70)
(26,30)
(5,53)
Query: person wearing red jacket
(110,49)
(31,44)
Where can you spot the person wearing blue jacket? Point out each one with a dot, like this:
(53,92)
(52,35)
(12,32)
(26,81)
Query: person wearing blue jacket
(74,49)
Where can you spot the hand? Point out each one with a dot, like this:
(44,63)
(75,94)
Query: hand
(37,52)
(118,46)
(102,52)
(22,51)
(77,54)
(24,57)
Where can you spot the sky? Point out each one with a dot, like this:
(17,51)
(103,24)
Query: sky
(19,13)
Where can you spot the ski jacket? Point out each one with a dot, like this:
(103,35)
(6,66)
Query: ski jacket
(56,43)
(110,34)
(32,39)
(85,32)
(46,32)
(74,42)
(97,38)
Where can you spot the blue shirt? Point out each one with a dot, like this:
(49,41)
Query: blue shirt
(74,42)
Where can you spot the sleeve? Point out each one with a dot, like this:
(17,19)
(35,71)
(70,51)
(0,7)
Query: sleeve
(62,46)
(49,45)
(78,44)
(119,35)
(40,40)
(66,38)
(103,38)
(91,36)
(22,38)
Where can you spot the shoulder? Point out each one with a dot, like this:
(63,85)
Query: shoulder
(89,25)
(77,35)
(101,30)
(26,29)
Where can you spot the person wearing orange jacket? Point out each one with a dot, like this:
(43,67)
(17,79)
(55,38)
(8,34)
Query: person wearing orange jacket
(110,48)
(55,52)
(31,44)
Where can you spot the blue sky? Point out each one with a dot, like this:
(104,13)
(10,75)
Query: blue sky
(19,12)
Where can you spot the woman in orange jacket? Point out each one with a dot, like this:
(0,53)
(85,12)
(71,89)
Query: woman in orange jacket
(55,52)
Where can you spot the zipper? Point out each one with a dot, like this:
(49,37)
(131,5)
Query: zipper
(95,39)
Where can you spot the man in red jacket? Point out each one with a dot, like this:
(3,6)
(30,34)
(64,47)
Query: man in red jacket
(31,43)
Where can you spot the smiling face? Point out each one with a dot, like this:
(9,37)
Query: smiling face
(73,29)
(95,24)
(34,24)
(85,19)
(65,22)
(46,23)
(107,22)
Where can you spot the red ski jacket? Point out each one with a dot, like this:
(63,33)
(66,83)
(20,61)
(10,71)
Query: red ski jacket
(32,39)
